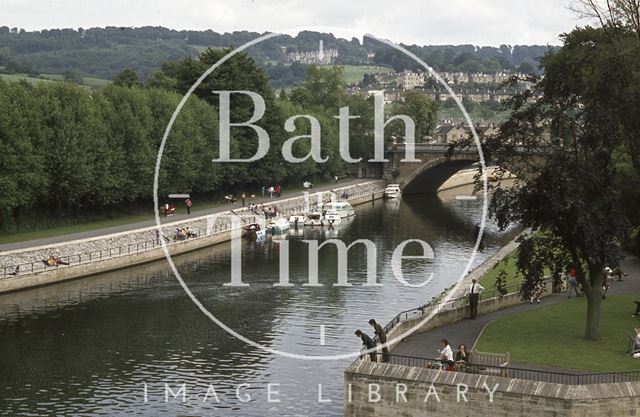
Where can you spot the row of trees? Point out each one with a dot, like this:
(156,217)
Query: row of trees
(67,150)
(71,150)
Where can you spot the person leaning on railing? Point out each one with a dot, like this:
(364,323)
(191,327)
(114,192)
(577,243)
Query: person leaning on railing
(367,343)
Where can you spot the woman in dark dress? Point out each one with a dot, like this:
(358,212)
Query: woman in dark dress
(462,357)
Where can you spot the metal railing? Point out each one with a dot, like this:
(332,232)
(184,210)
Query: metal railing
(448,305)
(553,377)
(39,266)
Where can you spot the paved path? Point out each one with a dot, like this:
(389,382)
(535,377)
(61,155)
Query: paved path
(467,331)
(178,217)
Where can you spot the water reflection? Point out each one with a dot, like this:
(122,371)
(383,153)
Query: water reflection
(90,347)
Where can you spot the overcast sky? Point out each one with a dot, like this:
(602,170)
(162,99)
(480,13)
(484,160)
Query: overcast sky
(479,22)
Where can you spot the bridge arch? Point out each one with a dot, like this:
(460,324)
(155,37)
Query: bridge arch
(430,175)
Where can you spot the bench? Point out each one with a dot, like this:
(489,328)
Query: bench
(631,348)
(488,363)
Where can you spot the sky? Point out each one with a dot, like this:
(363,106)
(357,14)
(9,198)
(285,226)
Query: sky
(422,22)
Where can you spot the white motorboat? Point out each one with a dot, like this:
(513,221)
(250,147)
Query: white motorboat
(343,208)
(313,219)
(392,191)
(296,221)
(332,218)
(278,226)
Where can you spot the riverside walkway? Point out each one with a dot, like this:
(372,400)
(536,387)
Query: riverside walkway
(174,218)
(467,332)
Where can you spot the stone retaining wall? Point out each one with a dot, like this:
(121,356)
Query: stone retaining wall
(120,250)
(511,398)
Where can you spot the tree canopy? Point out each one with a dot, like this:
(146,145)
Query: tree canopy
(566,140)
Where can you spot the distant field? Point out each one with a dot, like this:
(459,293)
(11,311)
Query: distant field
(18,77)
(354,74)
(87,81)
(478,114)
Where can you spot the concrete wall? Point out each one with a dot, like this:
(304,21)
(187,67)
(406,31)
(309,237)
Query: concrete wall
(511,398)
(121,250)
(467,177)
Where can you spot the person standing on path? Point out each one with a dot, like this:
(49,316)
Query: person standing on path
(244,198)
(368,343)
(188,203)
(573,282)
(382,337)
(473,292)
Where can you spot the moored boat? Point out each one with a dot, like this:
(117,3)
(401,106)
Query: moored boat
(296,221)
(332,218)
(343,208)
(278,226)
(392,191)
(313,219)
(252,231)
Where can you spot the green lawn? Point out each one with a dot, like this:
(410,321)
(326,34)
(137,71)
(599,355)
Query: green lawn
(94,225)
(95,82)
(18,77)
(75,228)
(508,265)
(86,81)
(553,336)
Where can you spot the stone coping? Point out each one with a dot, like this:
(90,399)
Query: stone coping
(427,376)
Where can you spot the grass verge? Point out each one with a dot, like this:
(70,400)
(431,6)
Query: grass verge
(554,336)
(508,264)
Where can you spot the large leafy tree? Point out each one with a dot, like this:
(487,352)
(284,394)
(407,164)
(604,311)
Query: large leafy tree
(563,140)
(422,110)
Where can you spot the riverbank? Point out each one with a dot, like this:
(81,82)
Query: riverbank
(132,247)
(118,225)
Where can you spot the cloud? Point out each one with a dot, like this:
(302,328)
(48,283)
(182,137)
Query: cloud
(481,22)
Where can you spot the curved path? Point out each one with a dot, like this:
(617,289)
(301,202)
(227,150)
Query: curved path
(425,344)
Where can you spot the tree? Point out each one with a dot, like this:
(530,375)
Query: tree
(127,78)
(526,68)
(560,141)
(421,109)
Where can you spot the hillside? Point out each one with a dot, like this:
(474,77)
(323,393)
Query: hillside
(104,52)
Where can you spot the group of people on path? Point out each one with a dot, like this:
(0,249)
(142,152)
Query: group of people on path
(609,276)
(449,361)
(267,211)
(272,191)
(369,344)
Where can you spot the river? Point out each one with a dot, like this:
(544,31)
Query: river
(111,344)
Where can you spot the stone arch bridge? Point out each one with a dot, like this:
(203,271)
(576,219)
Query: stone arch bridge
(434,168)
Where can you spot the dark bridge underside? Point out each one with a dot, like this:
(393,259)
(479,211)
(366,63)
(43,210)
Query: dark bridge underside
(431,179)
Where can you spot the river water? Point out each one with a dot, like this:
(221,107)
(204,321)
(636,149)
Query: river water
(120,343)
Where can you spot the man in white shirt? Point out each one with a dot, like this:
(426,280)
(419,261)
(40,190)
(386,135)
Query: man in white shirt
(473,291)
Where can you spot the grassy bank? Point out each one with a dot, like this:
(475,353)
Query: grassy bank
(508,265)
(554,336)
